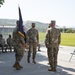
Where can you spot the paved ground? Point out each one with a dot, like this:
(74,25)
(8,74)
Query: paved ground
(41,68)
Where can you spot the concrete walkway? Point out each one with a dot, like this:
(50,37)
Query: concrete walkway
(41,68)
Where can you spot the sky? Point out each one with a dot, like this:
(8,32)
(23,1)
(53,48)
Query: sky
(63,11)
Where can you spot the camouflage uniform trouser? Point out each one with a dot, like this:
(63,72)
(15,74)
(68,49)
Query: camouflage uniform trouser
(2,46)
(52,56)
(48,53)
(18,54)
(32,48)
(10,46)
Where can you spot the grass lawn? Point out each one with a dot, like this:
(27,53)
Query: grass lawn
(67,39)
(41,37)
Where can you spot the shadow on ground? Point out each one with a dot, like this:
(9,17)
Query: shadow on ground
(41,68)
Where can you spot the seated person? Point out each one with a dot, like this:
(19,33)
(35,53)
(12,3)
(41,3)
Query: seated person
(2,42)
(9,43)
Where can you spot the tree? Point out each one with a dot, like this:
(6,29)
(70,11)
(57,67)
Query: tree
(70,30)
(1,2)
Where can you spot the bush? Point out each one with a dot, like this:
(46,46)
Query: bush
(70,30)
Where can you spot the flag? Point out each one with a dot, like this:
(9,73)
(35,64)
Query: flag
(20,30)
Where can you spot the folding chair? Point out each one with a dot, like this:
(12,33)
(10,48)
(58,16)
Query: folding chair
(72,55)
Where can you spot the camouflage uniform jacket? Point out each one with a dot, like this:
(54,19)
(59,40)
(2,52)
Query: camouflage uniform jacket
(2,41)
(32,35)
(9,41)
(18,42)
(53,37)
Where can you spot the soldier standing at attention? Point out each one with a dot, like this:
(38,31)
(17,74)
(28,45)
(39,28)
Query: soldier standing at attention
(33,40)
(53,36)
(46,41)
(19,46)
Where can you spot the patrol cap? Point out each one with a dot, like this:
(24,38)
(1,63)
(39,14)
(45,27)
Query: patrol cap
(33,24)
(53,21)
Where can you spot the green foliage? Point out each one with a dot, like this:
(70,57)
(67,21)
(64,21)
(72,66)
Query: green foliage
(67,30)
(70,30)
(1,2)
(61,29)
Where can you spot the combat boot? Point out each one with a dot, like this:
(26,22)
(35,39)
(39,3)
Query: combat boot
(17,66)
(20,66)
(14,65)
(52,69)
(34,61)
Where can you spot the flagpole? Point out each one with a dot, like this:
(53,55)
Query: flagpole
(25,56)
(20,30)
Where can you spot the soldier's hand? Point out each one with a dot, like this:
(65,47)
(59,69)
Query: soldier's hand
(25,45)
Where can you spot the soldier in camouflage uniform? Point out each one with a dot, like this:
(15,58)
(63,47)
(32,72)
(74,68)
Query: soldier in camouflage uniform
(10,43)
(52,43)
(2,43)
(19,45)
(33,40)
(47,41)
